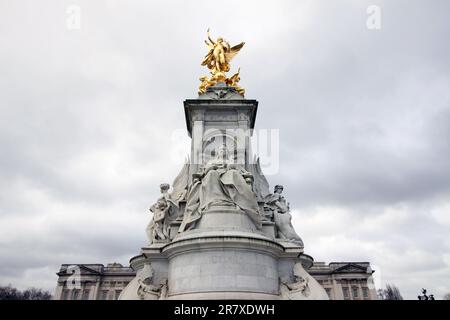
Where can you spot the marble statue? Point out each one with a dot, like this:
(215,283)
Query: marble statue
(277,205)
(147,290)
(157,228)
(220,183)
(164,211)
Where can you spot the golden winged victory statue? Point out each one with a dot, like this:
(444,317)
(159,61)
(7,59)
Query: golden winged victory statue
(220,53)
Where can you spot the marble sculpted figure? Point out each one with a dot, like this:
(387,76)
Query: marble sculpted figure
(157,228)
(298,289)
(147,290)
(164,212)
(304,286)
(277,205)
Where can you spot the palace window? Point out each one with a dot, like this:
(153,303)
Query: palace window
(355,292)
(346,293)
(104,295)
(117,294)
(365,293)
(328,290)
(75,294)
(85,294)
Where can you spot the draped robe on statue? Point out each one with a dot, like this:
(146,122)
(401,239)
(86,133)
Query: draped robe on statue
(223,184)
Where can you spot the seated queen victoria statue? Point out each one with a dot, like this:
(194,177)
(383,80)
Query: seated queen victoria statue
(220,182)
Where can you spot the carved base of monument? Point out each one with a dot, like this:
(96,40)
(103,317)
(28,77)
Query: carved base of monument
(227,268)
(214,266)
(224,257)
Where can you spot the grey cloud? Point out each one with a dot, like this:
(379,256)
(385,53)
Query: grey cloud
(86,116)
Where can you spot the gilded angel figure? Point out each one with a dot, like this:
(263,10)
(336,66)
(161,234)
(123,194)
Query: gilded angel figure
(220,53)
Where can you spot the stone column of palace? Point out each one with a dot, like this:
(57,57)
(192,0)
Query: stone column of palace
(58,291)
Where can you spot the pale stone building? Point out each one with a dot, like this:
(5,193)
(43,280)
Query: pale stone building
(341,281)
(345,280)
(92,281)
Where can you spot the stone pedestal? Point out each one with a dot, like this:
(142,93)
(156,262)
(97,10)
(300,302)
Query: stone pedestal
(224,257)
(209,267)
(227,265)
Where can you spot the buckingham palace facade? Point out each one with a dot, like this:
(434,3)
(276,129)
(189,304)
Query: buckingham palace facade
(341,280)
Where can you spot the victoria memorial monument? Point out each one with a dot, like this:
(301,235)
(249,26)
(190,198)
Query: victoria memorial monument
(219,231)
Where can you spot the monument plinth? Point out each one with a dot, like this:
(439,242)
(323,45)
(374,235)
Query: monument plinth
(220,233)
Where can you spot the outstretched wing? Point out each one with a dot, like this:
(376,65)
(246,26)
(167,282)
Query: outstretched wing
(229,54)
(207,61)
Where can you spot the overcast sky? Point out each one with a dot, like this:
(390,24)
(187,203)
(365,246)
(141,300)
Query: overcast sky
(88,119)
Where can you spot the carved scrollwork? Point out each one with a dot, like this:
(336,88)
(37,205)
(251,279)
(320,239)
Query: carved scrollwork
(299,289)
(147,290)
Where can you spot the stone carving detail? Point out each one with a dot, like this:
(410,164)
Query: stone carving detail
(197,115)
(147,290)
(260,184)
(180,184)
(277,208)
(297,290)
(220,183)
(221,91)
(243,116)
(165,210)
(351,269)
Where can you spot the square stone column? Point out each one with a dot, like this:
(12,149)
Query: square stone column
(213,122)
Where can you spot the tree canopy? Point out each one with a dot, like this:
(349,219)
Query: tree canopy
(10,293)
